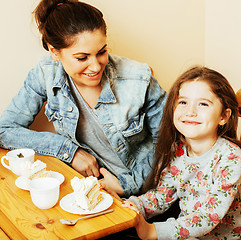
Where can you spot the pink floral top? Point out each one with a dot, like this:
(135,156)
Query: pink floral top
(208,189)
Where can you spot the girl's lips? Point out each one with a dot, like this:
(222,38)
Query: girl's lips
(191,122)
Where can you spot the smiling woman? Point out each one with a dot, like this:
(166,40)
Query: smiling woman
(92,98)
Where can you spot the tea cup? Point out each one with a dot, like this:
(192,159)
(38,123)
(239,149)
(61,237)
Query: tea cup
(44,192)
(17,159)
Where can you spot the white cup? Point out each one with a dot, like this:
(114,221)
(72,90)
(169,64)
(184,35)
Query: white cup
(17,159)
(44,192)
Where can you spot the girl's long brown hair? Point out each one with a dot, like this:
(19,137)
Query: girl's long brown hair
(169,137)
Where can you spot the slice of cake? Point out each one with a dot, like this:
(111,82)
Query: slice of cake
(35,170)
(87,192)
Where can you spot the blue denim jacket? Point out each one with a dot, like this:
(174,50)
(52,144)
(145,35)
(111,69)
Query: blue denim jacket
(129,110)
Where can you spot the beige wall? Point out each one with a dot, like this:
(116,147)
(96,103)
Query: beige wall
(169,35)
(223,40)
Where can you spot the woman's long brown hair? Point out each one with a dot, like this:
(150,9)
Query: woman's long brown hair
(169,137)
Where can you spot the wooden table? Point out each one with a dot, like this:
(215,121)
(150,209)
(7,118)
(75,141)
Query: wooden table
(20,219)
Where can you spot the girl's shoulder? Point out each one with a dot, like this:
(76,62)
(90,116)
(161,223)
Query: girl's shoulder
(230,150)
(227,144)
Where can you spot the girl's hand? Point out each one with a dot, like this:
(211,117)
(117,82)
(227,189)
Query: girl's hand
(144,229)
(85,164)
(111,182)
(109,190)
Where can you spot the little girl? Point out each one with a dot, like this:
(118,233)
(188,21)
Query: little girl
(198,161)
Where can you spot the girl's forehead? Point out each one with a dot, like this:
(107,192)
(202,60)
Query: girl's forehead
(196,89)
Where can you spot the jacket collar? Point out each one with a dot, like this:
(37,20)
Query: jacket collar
(107,95)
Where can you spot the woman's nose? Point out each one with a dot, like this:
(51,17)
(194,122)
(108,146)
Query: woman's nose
(94,65)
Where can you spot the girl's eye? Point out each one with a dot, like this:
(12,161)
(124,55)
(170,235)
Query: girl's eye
(81,59)
(182,102)
(203,104)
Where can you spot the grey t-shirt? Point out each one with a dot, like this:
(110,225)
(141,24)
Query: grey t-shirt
(91,133)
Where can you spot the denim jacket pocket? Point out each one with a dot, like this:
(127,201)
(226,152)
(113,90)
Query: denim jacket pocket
(54,116)
(135,130)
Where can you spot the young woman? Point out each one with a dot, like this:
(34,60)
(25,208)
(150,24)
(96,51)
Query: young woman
(198,161)
(105,109)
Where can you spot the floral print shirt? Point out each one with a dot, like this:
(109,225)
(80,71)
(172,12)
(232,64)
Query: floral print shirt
(208,189)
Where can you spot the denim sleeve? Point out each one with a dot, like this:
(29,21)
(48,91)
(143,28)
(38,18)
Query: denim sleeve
(154,105)
(15,120)
(132,181)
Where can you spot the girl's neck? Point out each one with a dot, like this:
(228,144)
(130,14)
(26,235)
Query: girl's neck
(199,147)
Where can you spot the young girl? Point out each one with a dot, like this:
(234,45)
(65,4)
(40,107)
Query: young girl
(198,161)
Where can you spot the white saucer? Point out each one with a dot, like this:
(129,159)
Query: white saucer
(67,203)
(23,183)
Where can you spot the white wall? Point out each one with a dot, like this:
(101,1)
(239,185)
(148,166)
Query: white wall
(223,40)
(170,35)
(167,34)
(19,46)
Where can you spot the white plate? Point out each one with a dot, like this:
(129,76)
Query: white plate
(23,183)
(67,203)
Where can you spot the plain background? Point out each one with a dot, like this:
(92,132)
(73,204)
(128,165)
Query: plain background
(169,35)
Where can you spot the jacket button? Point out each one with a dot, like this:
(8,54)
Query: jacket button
(70,109)
(66,155)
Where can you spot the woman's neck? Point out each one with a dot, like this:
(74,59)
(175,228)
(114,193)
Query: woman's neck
(90,94)
(199,147)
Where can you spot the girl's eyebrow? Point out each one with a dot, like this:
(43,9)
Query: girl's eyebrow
(89,53)
(199,99)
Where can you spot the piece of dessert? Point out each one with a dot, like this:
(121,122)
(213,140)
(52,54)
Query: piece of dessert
(86,192)
(35,170)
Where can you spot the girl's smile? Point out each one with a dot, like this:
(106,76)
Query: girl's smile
(198,112)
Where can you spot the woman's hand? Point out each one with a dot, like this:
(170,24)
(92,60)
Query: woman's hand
(85,164)
(111,182)
(144,229)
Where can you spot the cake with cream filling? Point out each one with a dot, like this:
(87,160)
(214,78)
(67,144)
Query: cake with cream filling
(35,170)
(86,192)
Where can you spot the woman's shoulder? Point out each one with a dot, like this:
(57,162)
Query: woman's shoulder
(47,68)
(47,60)
(126,67)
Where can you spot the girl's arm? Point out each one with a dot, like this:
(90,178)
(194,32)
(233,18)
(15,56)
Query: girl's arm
(201,218)
(144,229)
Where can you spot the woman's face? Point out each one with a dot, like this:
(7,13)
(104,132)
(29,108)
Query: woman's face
(85,60)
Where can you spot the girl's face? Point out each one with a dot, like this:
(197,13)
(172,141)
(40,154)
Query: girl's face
(198,112)
(85,60)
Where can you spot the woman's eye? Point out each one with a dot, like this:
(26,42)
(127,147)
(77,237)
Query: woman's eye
(81,59)
(102,52)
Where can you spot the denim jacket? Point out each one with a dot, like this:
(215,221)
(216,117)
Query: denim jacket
(129,110)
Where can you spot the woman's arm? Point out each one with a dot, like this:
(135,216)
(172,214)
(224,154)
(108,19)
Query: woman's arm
(15,120)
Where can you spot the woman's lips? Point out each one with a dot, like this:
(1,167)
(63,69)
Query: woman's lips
(93,76)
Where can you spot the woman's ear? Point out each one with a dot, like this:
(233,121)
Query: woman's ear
(225,116)
(53,52)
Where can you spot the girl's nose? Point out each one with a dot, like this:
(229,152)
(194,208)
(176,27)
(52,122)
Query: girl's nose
(191,111)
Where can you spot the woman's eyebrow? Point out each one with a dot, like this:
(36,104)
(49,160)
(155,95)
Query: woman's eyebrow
(79,53)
